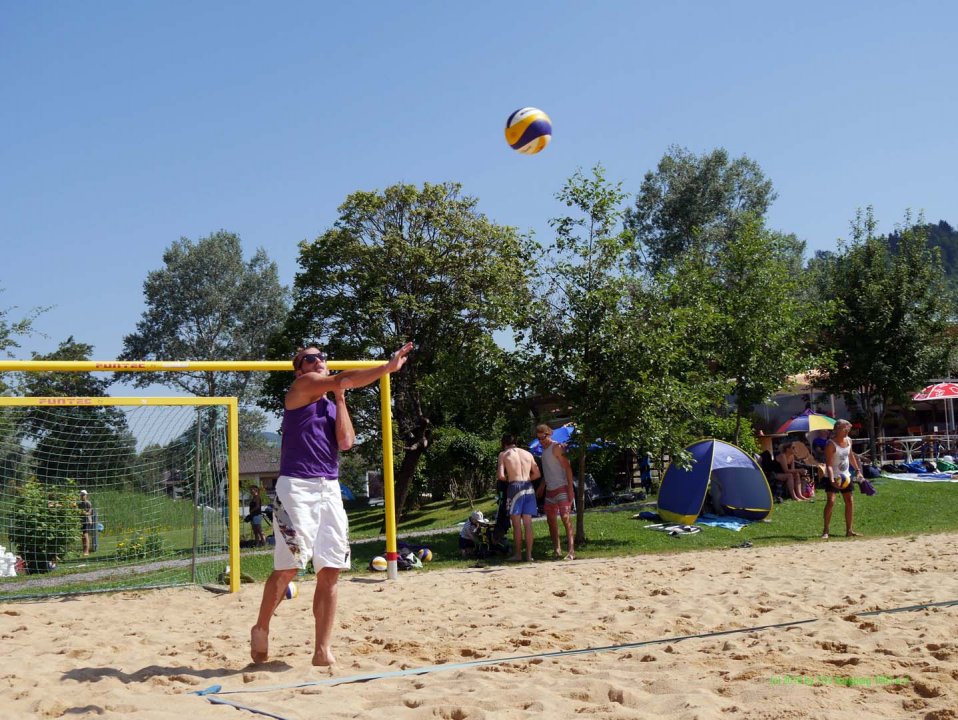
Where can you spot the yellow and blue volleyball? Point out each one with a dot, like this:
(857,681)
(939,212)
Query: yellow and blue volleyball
(291,591)
(841,481)
(528,130)
(425,554)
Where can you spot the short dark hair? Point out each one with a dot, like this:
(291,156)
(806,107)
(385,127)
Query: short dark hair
(508,440)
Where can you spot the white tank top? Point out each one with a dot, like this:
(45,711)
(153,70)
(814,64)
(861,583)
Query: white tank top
(840,458)
(552,469)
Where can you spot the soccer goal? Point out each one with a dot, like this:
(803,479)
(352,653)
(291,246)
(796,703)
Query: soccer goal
(107,493)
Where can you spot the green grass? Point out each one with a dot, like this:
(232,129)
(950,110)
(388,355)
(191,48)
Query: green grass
(900,508)
(367,522)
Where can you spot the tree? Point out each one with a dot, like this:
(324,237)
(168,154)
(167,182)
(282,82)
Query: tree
(12,330)
(763,335)
(887,329)
(576,328)
(408,263)
(692,203)
(87,444)
(206,303)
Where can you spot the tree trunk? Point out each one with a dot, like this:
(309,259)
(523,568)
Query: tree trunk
(407,468)
(868,407)
(580,538)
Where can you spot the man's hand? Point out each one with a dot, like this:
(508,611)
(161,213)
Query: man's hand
(398,358)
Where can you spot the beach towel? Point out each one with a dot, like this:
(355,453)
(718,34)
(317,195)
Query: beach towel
(727,522)
(923,477)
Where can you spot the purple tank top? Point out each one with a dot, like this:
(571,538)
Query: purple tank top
(309,446)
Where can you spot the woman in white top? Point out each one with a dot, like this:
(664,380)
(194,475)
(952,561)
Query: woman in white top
(839,459)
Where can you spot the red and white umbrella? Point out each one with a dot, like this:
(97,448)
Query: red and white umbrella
(941,391)
(938,391)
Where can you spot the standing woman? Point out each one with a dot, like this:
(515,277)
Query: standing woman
(839,459)
(256,516)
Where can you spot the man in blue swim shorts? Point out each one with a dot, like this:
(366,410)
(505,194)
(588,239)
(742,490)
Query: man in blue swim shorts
(518,468)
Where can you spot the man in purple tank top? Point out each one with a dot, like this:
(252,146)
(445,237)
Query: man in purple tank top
(308,512)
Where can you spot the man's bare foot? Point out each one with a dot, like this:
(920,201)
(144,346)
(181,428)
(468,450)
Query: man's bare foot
(570,556)
(324,658)
(529,558)
(824,536)
(852,533)
(515,558)
(258,644)
(556,554)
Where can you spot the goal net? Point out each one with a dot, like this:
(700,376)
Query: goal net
(107,493)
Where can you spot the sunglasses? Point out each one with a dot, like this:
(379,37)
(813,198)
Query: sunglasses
(311,358)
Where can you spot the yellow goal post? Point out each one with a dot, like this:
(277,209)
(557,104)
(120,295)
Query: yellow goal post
(150,366)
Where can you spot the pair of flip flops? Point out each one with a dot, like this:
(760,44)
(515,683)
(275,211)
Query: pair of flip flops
(674,530)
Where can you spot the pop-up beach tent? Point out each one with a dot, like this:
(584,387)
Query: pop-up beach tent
(737,484)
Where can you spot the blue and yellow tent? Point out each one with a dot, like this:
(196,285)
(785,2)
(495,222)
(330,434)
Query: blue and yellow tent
(737,484)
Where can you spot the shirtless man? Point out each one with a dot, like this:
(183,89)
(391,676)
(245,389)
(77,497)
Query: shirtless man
(518,468)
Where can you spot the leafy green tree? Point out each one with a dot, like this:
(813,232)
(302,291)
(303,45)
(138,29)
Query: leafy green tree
(11,331)
(577,328)
(692,203)
(764,332)
(207,303)
(887,329)
(87,444)
(668,377)
(252,423)
(420,264)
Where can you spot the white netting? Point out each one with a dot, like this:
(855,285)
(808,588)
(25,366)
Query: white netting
(155,510)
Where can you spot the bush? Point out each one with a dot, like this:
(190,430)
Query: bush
(140,546)
(43,522)
(460,464)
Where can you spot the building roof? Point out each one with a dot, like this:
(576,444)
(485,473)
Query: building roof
(259,462)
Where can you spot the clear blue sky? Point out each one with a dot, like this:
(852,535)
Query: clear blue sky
(127,125)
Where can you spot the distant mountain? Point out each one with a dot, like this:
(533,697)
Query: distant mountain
(271,438)
(940,235)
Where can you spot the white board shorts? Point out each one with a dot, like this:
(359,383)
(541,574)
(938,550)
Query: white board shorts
(311,524)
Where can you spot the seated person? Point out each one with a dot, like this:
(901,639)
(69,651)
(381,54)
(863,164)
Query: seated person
(804,460)
(791,476)
(818,446)
(770,468)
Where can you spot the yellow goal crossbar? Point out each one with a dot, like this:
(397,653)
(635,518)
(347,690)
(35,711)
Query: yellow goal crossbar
(389,498)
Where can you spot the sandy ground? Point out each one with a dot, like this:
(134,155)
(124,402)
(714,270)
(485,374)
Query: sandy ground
(140,654)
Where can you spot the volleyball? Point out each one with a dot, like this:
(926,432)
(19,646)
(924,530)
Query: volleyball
(842,481)
(378,564)
(528,130)
(292,591)
(425,554)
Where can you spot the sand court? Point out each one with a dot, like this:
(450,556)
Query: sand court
(140,654)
